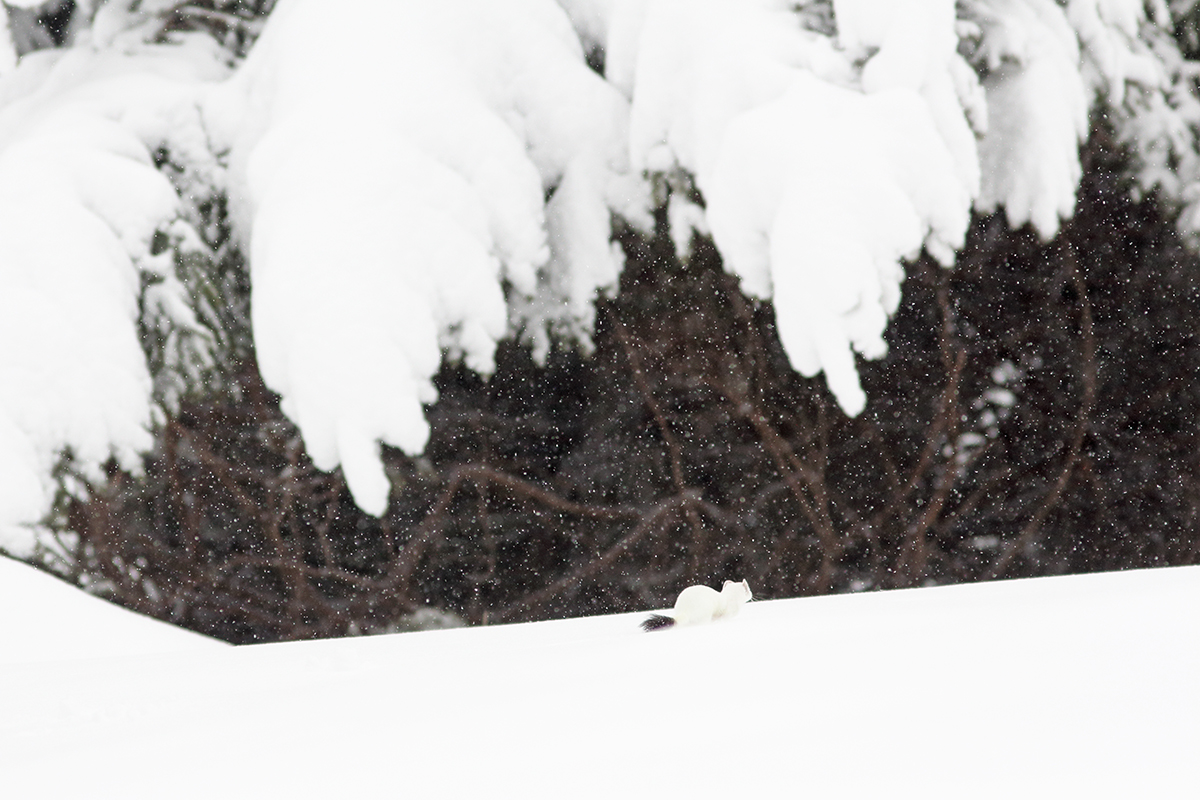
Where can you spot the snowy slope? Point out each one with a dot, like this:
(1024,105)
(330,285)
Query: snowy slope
(1077,687)
(44,619)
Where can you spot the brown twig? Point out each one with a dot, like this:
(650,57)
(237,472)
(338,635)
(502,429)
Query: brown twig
(590,568)
(674,449)
(806,484)
(1087,402)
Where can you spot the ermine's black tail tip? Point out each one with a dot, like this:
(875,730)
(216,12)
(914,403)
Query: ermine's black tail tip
(656,622)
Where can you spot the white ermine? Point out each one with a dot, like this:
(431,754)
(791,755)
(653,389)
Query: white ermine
(698,604)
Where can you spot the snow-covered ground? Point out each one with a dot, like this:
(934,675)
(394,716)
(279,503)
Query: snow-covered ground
(44,619)
(1080,687)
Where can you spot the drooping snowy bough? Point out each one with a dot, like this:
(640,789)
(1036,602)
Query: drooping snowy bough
(390,190)
(81,201)
(413,180)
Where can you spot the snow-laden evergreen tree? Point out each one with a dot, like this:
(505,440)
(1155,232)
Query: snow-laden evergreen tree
(408,181)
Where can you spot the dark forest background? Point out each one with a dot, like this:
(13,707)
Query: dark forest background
(1036,415)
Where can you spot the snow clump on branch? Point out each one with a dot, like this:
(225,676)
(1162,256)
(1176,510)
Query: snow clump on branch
(80,203)
(391,190)
(818,178)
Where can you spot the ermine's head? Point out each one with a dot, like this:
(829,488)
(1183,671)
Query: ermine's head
(741,591)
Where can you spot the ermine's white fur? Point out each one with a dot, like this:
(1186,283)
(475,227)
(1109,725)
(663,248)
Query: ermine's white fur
(699,604)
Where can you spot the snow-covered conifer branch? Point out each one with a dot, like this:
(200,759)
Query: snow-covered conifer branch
(80,205)
(413,180)
(389,193)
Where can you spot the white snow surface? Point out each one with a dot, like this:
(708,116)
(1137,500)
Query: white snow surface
(43,619)
(1052,688)
(389,189)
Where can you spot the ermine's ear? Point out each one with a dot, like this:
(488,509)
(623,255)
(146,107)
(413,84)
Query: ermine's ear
(727,583)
